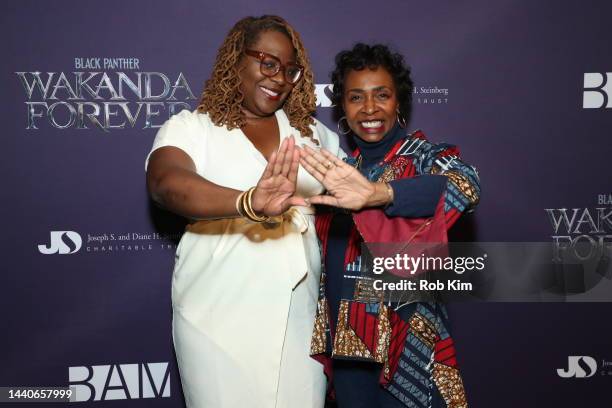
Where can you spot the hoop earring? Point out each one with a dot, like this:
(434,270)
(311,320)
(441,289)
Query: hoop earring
(342,131)
(400,120)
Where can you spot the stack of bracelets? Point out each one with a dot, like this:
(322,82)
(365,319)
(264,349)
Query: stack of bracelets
(244,205)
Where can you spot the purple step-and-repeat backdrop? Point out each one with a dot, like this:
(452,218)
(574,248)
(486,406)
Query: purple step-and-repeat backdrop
(523,88)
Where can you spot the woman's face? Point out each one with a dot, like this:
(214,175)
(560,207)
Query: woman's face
(370,103)
(265,95)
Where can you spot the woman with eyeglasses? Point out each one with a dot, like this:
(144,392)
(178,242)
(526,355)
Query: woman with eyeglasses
(247,270)
(397,187)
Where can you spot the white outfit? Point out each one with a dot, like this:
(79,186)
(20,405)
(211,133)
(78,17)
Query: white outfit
(244,295)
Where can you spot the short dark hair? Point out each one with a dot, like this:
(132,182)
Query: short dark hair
(373,56)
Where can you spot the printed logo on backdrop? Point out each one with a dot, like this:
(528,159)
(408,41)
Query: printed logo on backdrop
(581,250)
(62,242)
(323,92)
(578,367)
(591,227)
(597,90)
(585,367)
(119,381)
(424,95)
(70,242)
(430,95)
(103,93)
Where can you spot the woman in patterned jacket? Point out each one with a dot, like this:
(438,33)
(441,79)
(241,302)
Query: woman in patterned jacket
(396,187)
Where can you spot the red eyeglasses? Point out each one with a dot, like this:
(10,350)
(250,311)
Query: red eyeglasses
(269,66)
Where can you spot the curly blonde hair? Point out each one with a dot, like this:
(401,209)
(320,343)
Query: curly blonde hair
(222,98)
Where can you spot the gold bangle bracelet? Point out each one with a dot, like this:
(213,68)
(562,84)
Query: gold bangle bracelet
(239,204)
(243,205)
(254,216)
(389,193)
(248,207)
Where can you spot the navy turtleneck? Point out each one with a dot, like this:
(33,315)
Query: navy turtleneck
(413,197)
(373,152)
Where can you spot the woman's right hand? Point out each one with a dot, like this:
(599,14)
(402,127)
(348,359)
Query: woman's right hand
(346,186)
(275,190)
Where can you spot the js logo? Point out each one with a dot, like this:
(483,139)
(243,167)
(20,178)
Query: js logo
(62,242)
(597,90)
(579,367)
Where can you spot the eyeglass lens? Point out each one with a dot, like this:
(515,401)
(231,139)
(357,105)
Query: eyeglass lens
(271,66)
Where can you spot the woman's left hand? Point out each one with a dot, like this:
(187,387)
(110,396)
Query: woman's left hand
(346,187)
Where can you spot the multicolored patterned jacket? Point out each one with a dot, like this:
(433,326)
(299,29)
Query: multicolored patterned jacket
(413,345)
